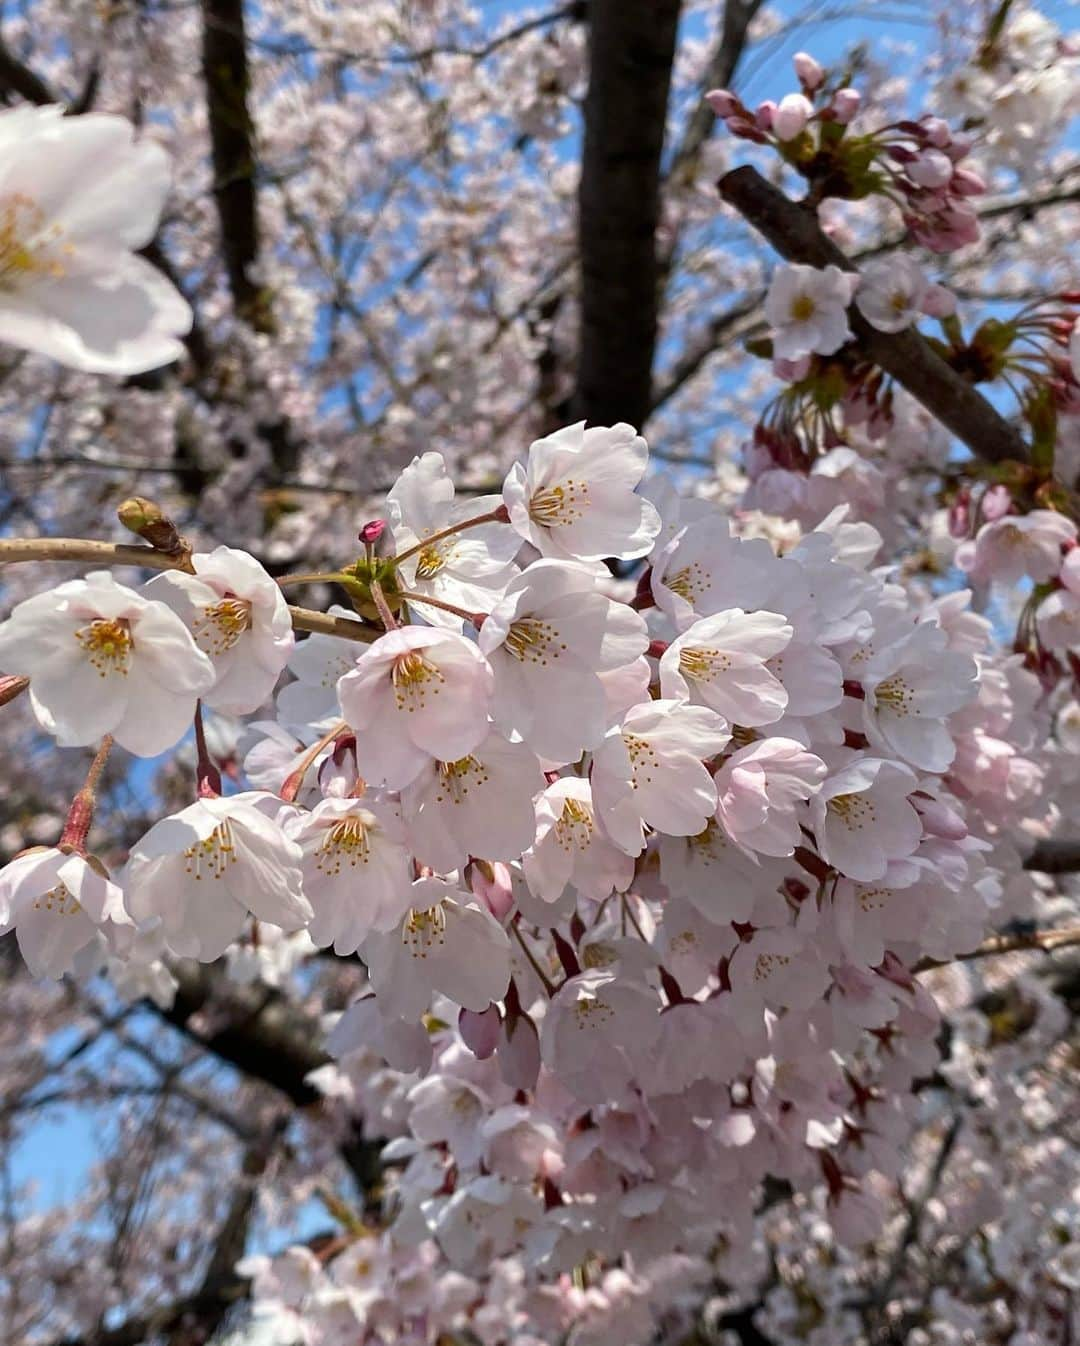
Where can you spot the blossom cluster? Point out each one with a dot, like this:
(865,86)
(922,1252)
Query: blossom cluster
(605,847)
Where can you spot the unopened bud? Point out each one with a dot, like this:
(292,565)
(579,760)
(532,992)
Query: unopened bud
(724,104)
(371,532)
(810,73)
(11,686)
(480,1030)
(149,521)
(845,105)
(790,118)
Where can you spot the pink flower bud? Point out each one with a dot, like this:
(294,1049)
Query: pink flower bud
(996,503)
(960,516)
(965,182)
(845,105)
(937,133)
(746,130)
(490,882)
(940,820)
(810,73)
(960,146)
(931,169)
(480,1031)
(724,104)
(371,532)
(938,302)
(791,116)
(764,114)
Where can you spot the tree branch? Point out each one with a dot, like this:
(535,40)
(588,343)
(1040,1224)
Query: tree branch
(631,48)
(1057,855)
(793,230)
(17,78)
(232,133)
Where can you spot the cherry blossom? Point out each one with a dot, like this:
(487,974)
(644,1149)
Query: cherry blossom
(103,659)
(720,662)
(807,310)
(79,199)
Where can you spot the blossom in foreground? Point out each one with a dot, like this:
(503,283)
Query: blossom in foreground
(575,498)
(548,640)
(203,870)
(1017,545)
(720,662)
(56,902)
(415,694)
(648,771)
(103,659)
(863,818)
(761,790)
(356,870)
(78,198)
(807,309)
(238,617)
(470,568)
(446,943)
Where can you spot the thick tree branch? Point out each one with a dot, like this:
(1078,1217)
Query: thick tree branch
(227,79)
(794,231)
(631,48)
(17,78)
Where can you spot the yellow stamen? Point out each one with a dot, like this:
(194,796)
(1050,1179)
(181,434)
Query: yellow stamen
(108,646)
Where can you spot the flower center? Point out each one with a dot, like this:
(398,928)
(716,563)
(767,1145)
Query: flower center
(345,843)
(643,759)
(591,1012)
(574,828)
(803,308)
(768,963)
(25,246)
(897,695)
(457,778)
(689,583)
(557,506)
(703,665)
(853,810)
(412,676)
(430,561)
(211,856)
(533,641)
(221,625)
(59,901)
(107,644)
(423,930)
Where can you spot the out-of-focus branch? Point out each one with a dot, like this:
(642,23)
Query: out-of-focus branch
(1041,941)
(719,74)
(631,48)
(232,141)
(17,78)
(794,231)
(1058,855)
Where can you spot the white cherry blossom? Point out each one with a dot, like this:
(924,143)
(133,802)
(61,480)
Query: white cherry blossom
(446,943)
(720,662)
(238,618)
(807,309)
(103,659)
(203,870)
(57,902)
(575,499)
(470,568)
(548,641)
(414,695)
(357,874)
(863,818)
(648,772)
(761,790)
(479,805)
(570,848)
(79,197)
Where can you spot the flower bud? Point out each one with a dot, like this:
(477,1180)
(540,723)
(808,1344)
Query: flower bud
(938,302)
(490,881)
(936,132)
(764,114)
(149,521)
(791,116)
(519,1052)
(996,503)
(810,73)
(845,105)
(931,169)
(372,531)
(724,104)
(965,182)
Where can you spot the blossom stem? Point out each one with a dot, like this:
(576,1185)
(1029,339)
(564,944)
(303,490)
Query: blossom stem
(499,515)
(545,981)
(81,813)
(419,599)
(291,786)
(387,618)
(13,550)
(311,577)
